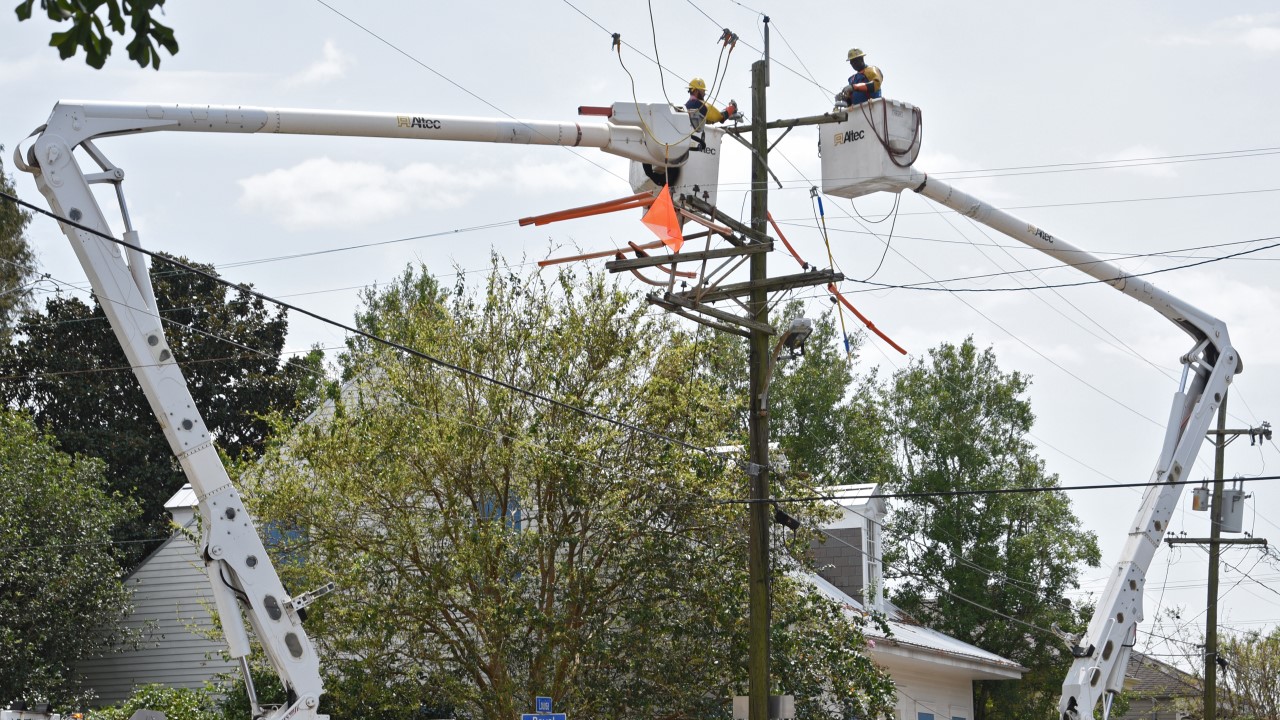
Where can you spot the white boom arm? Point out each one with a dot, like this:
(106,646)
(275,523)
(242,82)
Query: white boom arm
(875,150)
(244,580)
(1103,653)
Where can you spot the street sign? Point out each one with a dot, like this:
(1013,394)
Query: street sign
(543,707)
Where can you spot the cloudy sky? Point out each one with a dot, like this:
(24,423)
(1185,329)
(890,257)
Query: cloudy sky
(1144,132)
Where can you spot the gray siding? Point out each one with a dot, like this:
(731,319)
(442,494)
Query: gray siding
(840,564)
(171,608)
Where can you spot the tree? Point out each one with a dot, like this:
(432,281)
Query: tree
(17,262)
(59,581)
(960,423)
(68,370)
(175,703)
(1249,682)
(827,420)
(493,547)
(88,31)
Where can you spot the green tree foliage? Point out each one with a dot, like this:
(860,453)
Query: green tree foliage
(492,547)
(175,703)
(17,262)
(1249,683)
(88,31)
(59,580)
(961,424)
(827,420)
(67,368)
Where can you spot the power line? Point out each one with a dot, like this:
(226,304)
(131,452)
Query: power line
(365,334)
(449,80)
(965,493)
(923,285)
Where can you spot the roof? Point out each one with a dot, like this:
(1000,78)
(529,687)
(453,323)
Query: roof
(852,495)
(916,636)
(184,498)
(1150,677)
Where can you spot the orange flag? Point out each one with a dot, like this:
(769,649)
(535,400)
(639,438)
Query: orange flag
(661,219)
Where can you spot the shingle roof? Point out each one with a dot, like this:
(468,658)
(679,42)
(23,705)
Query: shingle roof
(1148,676)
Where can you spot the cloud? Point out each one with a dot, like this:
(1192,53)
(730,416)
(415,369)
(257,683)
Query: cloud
(1263,40)
(12,71)
(1258,33)
(1152,169)
(322,192)
(984,188)
(332,66)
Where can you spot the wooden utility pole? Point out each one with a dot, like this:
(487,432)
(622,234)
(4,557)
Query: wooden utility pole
(747,243)
(1215,533)
(758,422)
(1215,542)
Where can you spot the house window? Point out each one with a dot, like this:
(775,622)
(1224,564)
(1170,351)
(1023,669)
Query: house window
(491,509)
(924,716)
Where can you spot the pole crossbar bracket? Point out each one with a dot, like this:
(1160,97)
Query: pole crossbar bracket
(656,299)
(690,305)
(642,262)
(773,284)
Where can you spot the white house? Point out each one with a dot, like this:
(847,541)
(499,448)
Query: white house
(933,672)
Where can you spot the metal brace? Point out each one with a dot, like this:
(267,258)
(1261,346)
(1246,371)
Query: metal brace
(306,598)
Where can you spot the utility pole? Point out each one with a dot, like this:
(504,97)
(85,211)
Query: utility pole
(1215,534)
(758,422)
(1215,542)
(699,303)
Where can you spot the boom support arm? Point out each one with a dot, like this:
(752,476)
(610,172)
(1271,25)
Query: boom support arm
(1102,655)
(244,581)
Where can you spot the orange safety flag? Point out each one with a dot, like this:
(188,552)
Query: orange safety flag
(661,219)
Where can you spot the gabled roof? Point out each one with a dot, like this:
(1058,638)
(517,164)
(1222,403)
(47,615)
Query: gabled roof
(916,636)
(1150,677)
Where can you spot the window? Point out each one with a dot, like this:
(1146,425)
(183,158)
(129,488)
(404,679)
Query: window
(924,716)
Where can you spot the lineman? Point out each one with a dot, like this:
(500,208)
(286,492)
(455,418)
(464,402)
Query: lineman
(863,85)
(700,113)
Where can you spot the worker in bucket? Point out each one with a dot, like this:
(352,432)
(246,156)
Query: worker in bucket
(863,85)
(701,113)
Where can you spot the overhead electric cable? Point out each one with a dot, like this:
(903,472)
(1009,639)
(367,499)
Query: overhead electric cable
(449,80)
(962,493)
(363,333)
(922,285)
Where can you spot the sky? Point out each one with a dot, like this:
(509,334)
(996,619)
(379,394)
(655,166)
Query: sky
(1144,132)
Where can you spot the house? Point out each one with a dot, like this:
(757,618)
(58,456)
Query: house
(934,673)
(1159,691)
(177,644)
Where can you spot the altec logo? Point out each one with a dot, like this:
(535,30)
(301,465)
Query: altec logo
(850,136)
(406,121)
(1040,233)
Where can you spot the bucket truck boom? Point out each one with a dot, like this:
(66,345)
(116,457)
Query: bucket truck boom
(656,138)
(874,150)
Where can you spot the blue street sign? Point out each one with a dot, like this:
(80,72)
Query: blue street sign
(543,706)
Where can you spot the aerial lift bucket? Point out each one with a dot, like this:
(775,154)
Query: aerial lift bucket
(872,150)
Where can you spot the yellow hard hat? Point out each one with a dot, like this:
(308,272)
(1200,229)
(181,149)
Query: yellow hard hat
(855,53)
(697,84)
